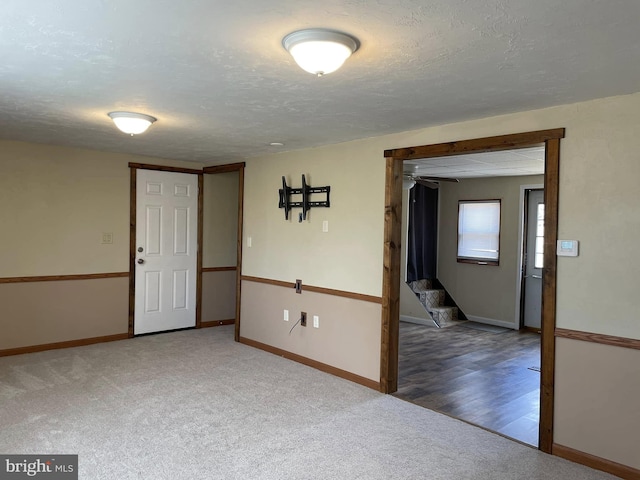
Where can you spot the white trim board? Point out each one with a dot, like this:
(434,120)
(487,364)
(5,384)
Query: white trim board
(492,321)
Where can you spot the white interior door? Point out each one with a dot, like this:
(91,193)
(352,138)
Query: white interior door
(166,251)
(534,259)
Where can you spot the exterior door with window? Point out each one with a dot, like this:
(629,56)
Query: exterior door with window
(534,256)
(166,251)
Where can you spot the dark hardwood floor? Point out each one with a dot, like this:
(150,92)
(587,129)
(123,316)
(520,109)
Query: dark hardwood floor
(481,377)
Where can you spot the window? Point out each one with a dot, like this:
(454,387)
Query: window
(479,231)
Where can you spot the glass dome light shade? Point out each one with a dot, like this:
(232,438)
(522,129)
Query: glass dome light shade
(132,123)
(319,51)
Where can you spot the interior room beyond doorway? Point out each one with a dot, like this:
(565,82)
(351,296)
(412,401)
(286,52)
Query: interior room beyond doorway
(489,374)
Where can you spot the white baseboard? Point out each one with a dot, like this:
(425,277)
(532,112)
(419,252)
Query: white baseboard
(419,321)
(492,321)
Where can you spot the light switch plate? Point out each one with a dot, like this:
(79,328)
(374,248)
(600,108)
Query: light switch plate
(107,238)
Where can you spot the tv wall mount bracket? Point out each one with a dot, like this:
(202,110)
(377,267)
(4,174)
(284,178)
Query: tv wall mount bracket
(306,204)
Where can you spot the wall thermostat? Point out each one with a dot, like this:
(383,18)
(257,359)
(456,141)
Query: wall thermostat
(567,248)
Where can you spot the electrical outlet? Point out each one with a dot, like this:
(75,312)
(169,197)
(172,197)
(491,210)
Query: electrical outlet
(316,321)
(286,315)
(303,319)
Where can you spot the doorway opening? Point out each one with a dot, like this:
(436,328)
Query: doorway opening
(461,349)
(550,139)
(222,269)
(220,301)
(532,258)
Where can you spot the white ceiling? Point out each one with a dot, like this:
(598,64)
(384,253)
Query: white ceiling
(508,163)
(215,74)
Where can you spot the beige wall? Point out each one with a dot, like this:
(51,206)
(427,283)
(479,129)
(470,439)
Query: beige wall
(483,292)
(598,396)
(218,296)
(56,203)
(598,206)
(349,333)
(39,313)
(220,220)
(347,257)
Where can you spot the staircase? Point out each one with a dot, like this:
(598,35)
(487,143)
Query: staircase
(433,300)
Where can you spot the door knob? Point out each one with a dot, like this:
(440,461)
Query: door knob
(140,261)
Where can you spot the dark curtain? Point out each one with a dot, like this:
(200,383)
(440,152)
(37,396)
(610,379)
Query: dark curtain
(423,233)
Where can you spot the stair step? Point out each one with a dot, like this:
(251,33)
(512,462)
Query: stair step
(432,298)
(444,315)
(419,285)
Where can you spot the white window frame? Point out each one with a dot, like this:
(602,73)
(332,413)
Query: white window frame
(481,235)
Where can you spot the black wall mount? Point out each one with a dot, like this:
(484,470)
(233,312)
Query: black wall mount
(306,204)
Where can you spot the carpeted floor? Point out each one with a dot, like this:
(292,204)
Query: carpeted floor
(196,405)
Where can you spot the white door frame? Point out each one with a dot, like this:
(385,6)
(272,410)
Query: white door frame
(133,167)
(521,233)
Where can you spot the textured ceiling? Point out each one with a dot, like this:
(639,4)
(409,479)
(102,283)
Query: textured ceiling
(215,75)
(507,163)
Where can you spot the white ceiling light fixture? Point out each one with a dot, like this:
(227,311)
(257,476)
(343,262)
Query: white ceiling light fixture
(132,123)
(320,51)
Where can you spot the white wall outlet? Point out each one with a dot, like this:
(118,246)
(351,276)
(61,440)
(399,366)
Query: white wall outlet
(286,315)
(107,238)
(316,321)
(325,226)
(249,242)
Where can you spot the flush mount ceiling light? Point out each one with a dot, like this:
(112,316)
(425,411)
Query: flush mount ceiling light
(132,123)
(320,51)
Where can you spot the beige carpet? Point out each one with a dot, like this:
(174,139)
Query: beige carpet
(196,405)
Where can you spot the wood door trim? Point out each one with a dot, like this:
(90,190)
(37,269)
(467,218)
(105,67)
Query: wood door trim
(218,269)
(200,234)
(390,323)
(311,288)
(476,145)
(240,234)
(391,260)
(62,278)
(548,307)
(623,342)
(133,194)
(164,168)
(133,168)
(323,367)
(231,167)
